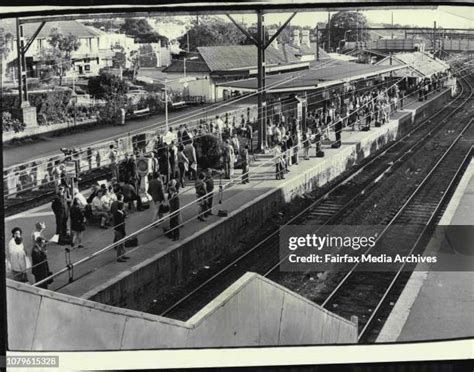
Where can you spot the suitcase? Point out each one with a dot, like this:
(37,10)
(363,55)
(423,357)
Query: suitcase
(145,199)
(222,213)
(65,240)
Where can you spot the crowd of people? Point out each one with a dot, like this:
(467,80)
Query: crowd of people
(174,164)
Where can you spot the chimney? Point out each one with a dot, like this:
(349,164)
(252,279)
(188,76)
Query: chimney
(270,35)
(296,38)
(305,38)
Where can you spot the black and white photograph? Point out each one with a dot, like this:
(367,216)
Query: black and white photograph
(222,175)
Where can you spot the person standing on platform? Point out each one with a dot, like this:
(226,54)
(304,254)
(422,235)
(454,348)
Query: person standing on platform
(17,257)
(119,232)
(156,190)
(60,209)
(306,143)
(39,260)
(173,156)
(190,152)
(89,157)
(338,130)
(113,155)
(228,159)
(39,228)
(245,165)
(173,200)
(201,192)
(78,224)
(209,181)
(277,156)
(183,165)
(249,134)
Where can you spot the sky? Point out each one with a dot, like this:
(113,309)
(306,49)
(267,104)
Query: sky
(445,16)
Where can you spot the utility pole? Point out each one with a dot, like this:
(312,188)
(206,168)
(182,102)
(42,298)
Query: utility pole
(166,105)
(262,102)
(392,24)
(317,43)
(434,39)
(329,32)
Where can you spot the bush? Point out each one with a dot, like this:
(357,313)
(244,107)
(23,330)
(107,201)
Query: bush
(9,123)
(209,151)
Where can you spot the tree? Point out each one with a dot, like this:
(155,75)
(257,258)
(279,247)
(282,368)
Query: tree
(113,90)
(147,56)
(141,31)
(59,55)
(211,31)
(346,23)
(5,37)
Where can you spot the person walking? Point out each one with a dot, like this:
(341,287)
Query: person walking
(209,182)
(200,187)
(119,232)
(39,260)
(245,165)
(156,190)
(78,224)
(17,256)
(173,200)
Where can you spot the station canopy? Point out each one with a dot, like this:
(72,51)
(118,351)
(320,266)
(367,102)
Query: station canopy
(318,76)
(419,64)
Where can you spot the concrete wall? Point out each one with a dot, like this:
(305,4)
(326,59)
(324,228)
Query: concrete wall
(253,311)
(173,268)
(36,131)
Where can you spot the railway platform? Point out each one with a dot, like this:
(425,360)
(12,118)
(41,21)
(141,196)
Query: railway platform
(434,305)
(158,262)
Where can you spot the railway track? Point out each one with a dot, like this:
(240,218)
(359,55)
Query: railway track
(327,209)
(364,292)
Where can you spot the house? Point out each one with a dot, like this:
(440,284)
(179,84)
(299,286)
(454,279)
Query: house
(199,73)
(86,61)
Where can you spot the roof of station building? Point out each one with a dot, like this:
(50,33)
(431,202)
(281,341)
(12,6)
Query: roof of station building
(322,74)
(421,63)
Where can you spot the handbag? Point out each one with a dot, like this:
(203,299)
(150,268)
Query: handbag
(164,208)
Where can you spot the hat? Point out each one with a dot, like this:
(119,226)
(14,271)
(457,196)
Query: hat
(40,225)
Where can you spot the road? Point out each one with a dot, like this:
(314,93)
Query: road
(49,145)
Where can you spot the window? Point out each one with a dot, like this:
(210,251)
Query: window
(87,60)
(87,67)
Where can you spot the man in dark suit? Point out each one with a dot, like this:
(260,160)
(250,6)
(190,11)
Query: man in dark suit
(119,232)
(155,189)
(39,259)
(173,200)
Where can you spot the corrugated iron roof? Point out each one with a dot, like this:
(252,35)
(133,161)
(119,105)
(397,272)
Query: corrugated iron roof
(311,78)
(64,27)
(232,57)
(418,61)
